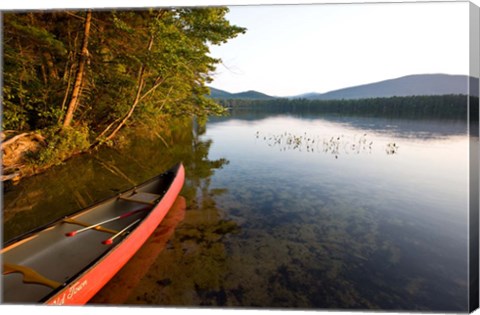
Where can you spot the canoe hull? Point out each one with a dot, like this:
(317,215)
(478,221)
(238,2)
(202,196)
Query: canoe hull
(92,280)
(93,274)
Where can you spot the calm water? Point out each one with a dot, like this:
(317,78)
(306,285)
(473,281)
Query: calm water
(284,211)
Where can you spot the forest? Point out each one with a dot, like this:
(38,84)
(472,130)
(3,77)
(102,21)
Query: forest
(430,107)
(73,79)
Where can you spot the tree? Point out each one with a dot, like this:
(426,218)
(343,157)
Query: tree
(170,53)
(34,58)
(89,73)
(105,69)
(80,72)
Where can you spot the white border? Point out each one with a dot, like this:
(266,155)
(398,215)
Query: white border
(14,5)
(50,4)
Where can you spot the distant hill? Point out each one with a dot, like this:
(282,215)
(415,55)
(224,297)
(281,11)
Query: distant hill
(421,84)
(418,84)
(216,93)
(248,95)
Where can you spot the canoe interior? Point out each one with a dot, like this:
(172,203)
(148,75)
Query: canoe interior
(57,257)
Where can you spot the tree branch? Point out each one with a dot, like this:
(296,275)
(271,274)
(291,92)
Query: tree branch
(140,86)
(160,81)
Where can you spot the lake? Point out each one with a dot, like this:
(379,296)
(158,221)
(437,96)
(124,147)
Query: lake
(292,210)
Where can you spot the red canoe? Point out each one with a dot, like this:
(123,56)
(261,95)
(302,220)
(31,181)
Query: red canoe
(71,259)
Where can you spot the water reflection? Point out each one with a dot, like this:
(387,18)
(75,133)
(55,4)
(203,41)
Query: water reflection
(273,220)
(122,284)
(90,177)
(383,229)
(401,127)
(195,260)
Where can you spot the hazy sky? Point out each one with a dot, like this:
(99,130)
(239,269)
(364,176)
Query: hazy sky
(294,49)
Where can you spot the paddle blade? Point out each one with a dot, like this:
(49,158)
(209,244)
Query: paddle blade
(71,233)
(107,242)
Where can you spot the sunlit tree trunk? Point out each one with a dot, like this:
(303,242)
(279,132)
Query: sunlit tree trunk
(80,73)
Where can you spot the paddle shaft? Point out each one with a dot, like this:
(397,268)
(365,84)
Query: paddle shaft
(106,221)
(110,240)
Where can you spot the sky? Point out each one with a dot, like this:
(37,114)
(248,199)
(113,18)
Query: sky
(294,49)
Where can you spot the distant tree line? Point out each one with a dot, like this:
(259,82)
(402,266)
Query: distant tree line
(441,106)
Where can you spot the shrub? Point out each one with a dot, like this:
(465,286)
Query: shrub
(61,145)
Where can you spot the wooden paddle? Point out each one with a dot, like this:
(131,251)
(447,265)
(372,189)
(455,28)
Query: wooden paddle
(93,226)
(110,240)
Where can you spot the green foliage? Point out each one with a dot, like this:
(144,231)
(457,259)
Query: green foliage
(44,39)
(160,55)
(60,146)
(176,65)
(37,60)
(14,117)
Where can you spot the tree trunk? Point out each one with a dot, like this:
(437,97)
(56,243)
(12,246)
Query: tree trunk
(138,95)
(80,73)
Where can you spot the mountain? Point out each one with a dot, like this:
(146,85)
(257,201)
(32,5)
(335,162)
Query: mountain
(216,93)
(420,84)
(248,95)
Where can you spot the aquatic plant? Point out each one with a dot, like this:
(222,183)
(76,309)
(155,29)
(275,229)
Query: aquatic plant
(334,145)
